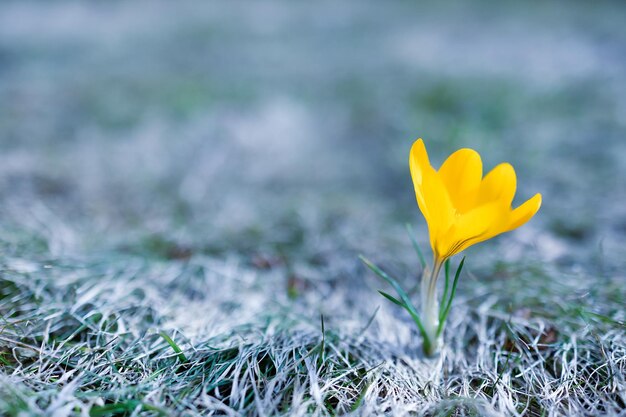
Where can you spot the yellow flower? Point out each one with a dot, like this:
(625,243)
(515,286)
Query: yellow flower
(460,206)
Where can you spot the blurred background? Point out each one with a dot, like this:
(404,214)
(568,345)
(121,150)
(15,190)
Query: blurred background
(249,127)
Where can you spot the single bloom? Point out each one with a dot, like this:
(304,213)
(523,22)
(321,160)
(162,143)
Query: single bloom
(461,207)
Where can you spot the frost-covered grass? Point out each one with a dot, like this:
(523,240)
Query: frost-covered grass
(184,193)
(205,336)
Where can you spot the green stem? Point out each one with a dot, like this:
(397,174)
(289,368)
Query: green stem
(430,310)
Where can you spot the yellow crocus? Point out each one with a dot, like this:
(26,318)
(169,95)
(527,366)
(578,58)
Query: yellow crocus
(461,207)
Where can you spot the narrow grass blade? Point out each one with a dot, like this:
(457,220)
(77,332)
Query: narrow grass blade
(392,299)
(452,293)
(361,397)
(420,255)
(369,322)
(321,358)
(113,409)
(445,289)
(179,352)
(408,306)
(585,314)
(124,408)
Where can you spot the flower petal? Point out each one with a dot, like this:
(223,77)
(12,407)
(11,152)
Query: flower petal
(432,197)
(418,161)
(418,164)
(499,184)
(474,226)
(461,173)
(501,219)
(525,212)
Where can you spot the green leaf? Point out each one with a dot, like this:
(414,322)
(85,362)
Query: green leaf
(420,255)
(392,299)
(361,397)
(123,408)
(408,306)
(179,352)
(452,294)
(321,358)
(445,289)
(369,322)
(113,409)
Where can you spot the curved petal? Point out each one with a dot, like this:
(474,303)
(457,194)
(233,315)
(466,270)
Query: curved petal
(418,160)
(432,198)
(502,219)
(499,184)
(474,226)
(461,173)
(439,206)
(525,212)
(418,164)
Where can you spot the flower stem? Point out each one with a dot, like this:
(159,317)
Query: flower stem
(430,307)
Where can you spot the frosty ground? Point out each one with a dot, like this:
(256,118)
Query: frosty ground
(185,190)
